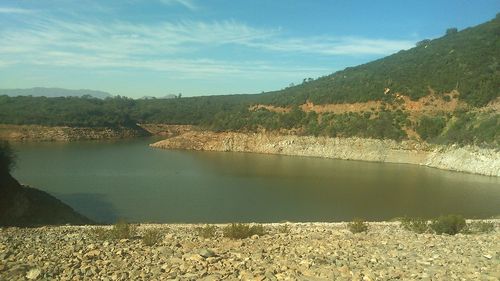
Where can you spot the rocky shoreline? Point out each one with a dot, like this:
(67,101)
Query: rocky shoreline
(37,133)
(468,159)
(299,251)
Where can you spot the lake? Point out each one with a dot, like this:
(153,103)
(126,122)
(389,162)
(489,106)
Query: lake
(128,179)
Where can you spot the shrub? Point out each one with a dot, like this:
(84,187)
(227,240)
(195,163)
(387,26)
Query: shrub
(479,227)
(122,230)
(451,31)
(152,236)
(357,225)
(257,230)
(423,42)
(208,231)
(417,225)
(240,230)
(100,233)
(450,224)
(430,127)
(284,228)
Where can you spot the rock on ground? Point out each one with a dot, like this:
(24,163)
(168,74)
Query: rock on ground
(301,251)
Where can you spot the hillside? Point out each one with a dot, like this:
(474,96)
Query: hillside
(467,62)
(442,91)
(54,92)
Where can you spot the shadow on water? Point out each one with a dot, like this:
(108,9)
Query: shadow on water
(94,206)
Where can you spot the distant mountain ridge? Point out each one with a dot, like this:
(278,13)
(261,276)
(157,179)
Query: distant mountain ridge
(54,92)
(171,96)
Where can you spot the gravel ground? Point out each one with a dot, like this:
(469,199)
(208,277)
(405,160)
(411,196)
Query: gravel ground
(305,251)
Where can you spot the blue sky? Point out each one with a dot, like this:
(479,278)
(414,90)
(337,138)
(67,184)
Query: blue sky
(203,47)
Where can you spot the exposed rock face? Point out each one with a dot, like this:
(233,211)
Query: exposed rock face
(26,206)
(304,251)
(64,133)
(468,159)
(464,159)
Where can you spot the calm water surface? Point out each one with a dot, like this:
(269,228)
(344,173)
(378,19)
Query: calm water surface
(128,179)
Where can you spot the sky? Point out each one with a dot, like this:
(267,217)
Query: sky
(156,48)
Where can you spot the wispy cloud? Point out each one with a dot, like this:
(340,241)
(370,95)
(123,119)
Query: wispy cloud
(8,10)
(189,4)
(328,45)
(178,68)
(128,39)
(165,47)
(175,47)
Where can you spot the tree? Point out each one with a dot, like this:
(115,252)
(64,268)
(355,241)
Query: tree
(7,157)
(430,127)
(452,30)
(423,42)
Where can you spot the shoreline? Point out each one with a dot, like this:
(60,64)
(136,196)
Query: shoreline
(469,159)
(303,224)
(302,251)
(38,133)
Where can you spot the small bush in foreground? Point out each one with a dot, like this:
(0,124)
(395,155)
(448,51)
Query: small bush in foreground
(257,230)
(101,233)
(450,224)
(479,227)
(208,231)
(417,225)
(122,230)
(284,229)
(152,236)
(240,230)
(357,225)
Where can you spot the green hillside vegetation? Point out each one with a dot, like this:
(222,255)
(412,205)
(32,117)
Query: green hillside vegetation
(465,61)
(471,128)
(462,128)
(116,111)
(381,125)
